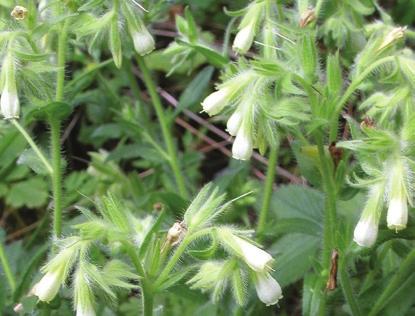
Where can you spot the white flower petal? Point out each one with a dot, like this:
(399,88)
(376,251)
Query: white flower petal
(234,122)
(397,217)
(244,38)
(242,146)
(268,289)
(257,259)
(10,105)
(366,232)
(47,288)
(216,101)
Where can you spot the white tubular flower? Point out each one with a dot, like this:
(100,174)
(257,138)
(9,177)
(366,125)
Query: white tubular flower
(242,146)
(143,41)
(397,217)
(267,289)
(47,288)
(366,232)
(10,105)
(216,101)
(256,258)
(234,123)
(393,36)
(84,310)
(244,38)
(9,102)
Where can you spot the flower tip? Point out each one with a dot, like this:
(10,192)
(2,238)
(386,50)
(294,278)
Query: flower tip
(216,101)
(242,148)
(244,39)
(268,289)
(397,217)
(10,105)
(143,42)
(47,288)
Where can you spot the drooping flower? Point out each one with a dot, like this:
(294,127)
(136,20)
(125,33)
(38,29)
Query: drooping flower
(242,146)
(397,216)
(244,38)
(10,105)
(267,289)
(366,230)
(143,41)
(47,288)
(234,123)
(216,101)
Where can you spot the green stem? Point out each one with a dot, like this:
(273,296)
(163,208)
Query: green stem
(351,89)
(167,136)
(330,202)
(55,130)
(406,269)
(146,287)
(347,287)
(178,253)
(269,182)
(6,268)
(32,144)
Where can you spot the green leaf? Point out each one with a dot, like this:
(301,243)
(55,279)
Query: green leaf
(31,193)
(56,110)
(195,90)
(115,42)
(213,57)
(30,159)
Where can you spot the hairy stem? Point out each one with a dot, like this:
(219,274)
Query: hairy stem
(6,268)
(165,129)
(33,145)
(146,288)
(178,253)
(55,129)
(269,182)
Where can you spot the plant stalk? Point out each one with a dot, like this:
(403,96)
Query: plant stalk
(6,268)
(55,130)
(165,129)
(268,189)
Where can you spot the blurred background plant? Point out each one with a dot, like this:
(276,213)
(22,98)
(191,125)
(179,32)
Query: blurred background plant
(104,146)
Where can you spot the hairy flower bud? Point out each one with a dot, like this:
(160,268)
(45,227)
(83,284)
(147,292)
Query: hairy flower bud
(267,289)
(176,234)
(244,39)
(242,146)
(143,41)
(234,123)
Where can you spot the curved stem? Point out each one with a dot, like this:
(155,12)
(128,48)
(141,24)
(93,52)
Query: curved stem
(33,145)
(351,89)
(406,269)
(6,268)
(269,182)
(177,254)
(168,138)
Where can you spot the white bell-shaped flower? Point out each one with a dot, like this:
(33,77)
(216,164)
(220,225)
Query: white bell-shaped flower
(47,288)
(256,258)
(82,310)
(242,146)
(234,123)
(143,41)
(397,216)
(244,38)
(267,289)
(216,101)
(366,231)
(10,105)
